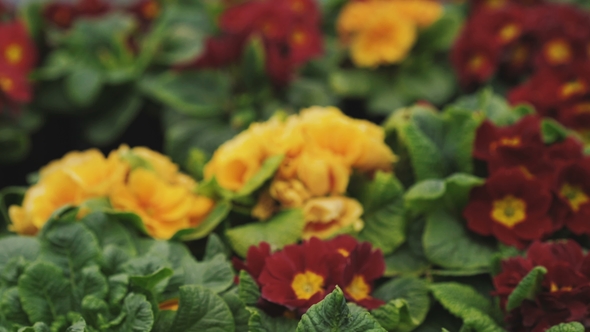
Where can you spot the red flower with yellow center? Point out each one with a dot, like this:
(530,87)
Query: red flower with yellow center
(565,292)
(363,268)
(14,86)
(510,206)
(557,51)
(60,14)
(474,60)
(572,186)
(16,47)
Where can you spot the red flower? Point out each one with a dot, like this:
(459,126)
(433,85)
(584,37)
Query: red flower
(343,244)
(146,10)
(92,8)
(255,260)
(60,14)
(364,267)
(474,59)
(300,275)
(572,187)
(16,47)
(14,86)
(568,150)
(510,206)
(219,52)
(565,293)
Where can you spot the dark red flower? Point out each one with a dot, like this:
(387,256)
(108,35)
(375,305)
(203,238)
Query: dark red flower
(343,244)
(14,86)
(364,267)
(60,14)
(255,260)
(565,293)
(92,8)
(568,150)
(474,59)
(219,51)
(300,275)
(572,186)
(511,206)
(17,50)
(305,42)
(146,10)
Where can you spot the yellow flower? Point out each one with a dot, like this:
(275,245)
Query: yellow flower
(140,156)
(391,31)
(265,207)
(55,190)
(326,216)
(323,173)
(290,193)
(95,174)
(164,208)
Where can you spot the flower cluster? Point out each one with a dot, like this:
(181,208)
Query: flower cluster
(391,32)
(18,55)
(137,180)
(289,31)
(321,147)
(301,275)
(533,189)
(548,41)
(64,14)
(565,292)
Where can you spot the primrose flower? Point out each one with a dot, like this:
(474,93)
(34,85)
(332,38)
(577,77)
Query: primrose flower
(512,207)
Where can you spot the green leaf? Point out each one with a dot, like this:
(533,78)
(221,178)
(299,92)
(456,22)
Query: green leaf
(38,327)
(494,107)
(15,144)
(92,282)
(148,282)
(552,131)
(449,244)
(215,217)
(405,261)
(83,84)
(107,125)
(200,93)
(284,228)
(9,196)
(214,247)
(261,322)
(18,246)
(442,33)
(138,314)
(464,302)
(109,231)
(183,34)
(201,310)
(78,326)
(392,313)
(44,292)
(567,327)
(353,82)
(248,290)
(118,287)
(164,321)
(306,92)
(414,292)
(332,314)
(238,310)
(527,288)
(382,201)
(195,163)
(266,171)
(11,307)
(215,274)
(427,80)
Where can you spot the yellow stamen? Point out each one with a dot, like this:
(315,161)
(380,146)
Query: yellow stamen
(298,37)
(6,84)
(572,88)
(509,32)
(509,211)
(476,63)
(307,284)
(574,195)
(558,51)
(14,53)
(505,141)
(343,252)
(358,288)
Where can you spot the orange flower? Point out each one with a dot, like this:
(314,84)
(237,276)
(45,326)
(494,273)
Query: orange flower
(326,216)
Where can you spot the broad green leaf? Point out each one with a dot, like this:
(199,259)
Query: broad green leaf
(78,326)
(414,292)
(248,290)
(266,171)
(353,82)
(442,33)
(164,321)
(404,261)
(215,217)
(215,274)
(392,314)
(15,144)
(94,310)
(11,307)
(306,92)
(465,303)
(114,259)
(196,93)
(333,314)
(138,314)
(128,218)
(427,80)
(181,33)
(83,84)
(238,309)
(44,292)
(109,232)
(261,322)
(424,195)
(92,282)
(38,327)
(148,282)
(567,327)
(383,214)
(118,287)
(284,228)
(449,244)
(527,288)
(214,247)
(202,310)
(494,107)
(18,246)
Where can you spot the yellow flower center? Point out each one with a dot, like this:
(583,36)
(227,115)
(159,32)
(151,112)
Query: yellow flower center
(13,53)
(343,252)
(509,211)
(150,10)
(297,6)
(505,141)
(298,37)
(476,63)
(558,51)
(583,108)
(519,55)
(306,284)
(571,88)
(555,288)
(575,196)
(358,288)
(6,84)
(495,3)
(509,32)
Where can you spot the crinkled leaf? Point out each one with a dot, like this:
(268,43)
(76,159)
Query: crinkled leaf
(382,200)
(78,326)
(216,216)
(527,288)
(138,314)
(92,282)
(414,292)
(202,310)
(567,327)
(148,282)
(38,327)
(392,313)
(448,243)
(266,171)
(44,292)
(114,259)
(248,290)
(118,287)
(552,131)
(284,228)
(333,314)
(18,246)
(164,321)
(216,274)
(215,246)
(238,310)
(261,322)
(494,107)
(109,231)
(11,308)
